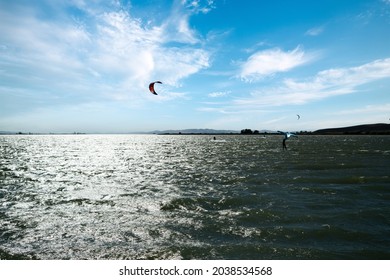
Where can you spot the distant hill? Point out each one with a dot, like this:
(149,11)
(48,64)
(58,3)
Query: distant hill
(378,128)
(195,131)
(9,132)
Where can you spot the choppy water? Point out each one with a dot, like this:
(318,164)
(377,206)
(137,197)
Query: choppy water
(186,197)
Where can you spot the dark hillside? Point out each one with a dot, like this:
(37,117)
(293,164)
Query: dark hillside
(378,128)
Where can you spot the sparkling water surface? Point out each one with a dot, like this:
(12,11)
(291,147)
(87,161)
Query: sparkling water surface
(188,197)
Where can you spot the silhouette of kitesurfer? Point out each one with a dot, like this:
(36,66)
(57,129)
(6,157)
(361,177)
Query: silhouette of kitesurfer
(286,136)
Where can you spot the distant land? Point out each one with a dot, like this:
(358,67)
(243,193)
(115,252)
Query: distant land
(364,129)
(172,131)
(195,131)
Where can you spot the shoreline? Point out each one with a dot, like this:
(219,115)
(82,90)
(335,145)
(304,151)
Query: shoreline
(365,129)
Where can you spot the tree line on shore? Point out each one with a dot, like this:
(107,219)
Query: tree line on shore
(367,129)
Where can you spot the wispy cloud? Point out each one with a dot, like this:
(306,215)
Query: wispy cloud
(176,26)
(268,62)
(219,94)
(325,84)
(328,83)
(315,31)
(200,6)
(108,54)
(268,105)
(381,108)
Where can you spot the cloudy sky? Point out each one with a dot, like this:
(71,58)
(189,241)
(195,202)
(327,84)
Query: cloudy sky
(85,65)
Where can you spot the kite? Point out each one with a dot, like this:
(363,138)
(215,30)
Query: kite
(151,87)
(298,116)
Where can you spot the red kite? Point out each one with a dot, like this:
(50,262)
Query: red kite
(151,87)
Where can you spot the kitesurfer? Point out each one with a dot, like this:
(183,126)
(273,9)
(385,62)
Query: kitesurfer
(286,136)
(284,144)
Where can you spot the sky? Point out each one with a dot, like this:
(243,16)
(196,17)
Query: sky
(85,65)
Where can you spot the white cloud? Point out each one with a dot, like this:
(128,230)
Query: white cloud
(199,6)
(268,62)
(219,94)
(381,108)
(331,82)
(110,54)
(342,80)
(176,25)
(315,31)
(326,83)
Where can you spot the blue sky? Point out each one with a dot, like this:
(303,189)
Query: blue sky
(85,66)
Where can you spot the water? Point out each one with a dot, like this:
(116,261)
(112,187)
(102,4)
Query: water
(187,197)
